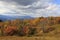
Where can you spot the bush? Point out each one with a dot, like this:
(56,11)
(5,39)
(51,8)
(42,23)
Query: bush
(48,29)
(32,31)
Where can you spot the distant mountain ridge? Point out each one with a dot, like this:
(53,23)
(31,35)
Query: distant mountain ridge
(4,17)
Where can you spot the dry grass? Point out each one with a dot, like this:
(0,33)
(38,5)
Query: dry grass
(52,38)
(20,38)
(29,38)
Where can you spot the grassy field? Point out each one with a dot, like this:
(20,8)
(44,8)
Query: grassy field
(29,38)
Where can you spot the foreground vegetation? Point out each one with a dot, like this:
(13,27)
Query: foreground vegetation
(37,27)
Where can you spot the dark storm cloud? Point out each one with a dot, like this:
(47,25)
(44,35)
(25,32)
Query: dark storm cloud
(25,2)
(22,2)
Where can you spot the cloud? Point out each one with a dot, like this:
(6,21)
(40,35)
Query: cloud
(21,2)
(34,8)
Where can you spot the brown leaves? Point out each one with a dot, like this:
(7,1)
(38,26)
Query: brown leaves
(10,30)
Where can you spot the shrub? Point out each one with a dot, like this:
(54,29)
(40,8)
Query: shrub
(48,29)
(32,31)
(10,30)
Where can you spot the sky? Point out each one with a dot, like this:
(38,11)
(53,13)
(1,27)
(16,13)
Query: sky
(33,8)
(57,1)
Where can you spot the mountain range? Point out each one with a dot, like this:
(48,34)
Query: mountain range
(4,17)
